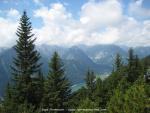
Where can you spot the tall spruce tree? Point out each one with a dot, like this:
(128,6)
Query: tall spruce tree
(131,57)
(26,66)
(57,86)
(90,83)
(99,93)
(118,62)
(134,68)
(131,66)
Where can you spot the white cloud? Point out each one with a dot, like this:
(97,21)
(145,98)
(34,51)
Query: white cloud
(136,10)
(134,33)
(110,35)
(8,28)
(57,14)
(101,14)
(7,32)
(13,14)
(61,28)
(58,23)
(38,2)
(101,22)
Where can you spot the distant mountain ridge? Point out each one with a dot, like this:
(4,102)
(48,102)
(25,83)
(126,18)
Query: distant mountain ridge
(77,60)
(104,54)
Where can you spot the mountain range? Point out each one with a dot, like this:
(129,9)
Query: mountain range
(77,60)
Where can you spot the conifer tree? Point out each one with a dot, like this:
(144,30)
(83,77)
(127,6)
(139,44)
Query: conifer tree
(99,94)
(134,69)
(135,99)
(37,89)
(118,62)
(26,66)
(57,86)
(90,83)
(116,103)
(78,96)
(131,66)
(139,69)
(131,58)
(9,105)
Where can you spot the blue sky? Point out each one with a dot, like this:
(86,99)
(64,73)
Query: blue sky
(72,22)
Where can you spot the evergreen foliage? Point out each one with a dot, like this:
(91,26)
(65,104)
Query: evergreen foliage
(116,103)
(118,62)
(134,69)
(77,97)
(135,99)
(57,86)
(99,94)
(27,81)
(90,83)
(88,105)
(123,91)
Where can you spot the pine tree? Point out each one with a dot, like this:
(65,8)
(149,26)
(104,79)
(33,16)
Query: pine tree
(78,96)
(131,66)
(118,62)
(135,99)
(134,68)
(57,86)
(37,89)
(26,64)
(90,83)
(139,69)
(147,91)
(1,108)
(131,58)
(116,103)
(112,82)
(9,105)
(99,93)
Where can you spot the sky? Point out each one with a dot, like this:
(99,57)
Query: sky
(74,22)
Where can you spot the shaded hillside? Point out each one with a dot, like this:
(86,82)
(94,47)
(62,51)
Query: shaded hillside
(77,60)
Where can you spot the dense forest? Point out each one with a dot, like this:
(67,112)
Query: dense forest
(125,90)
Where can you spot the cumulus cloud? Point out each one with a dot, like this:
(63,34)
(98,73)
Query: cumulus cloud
(7,32)
(61,28)
(101,14)
(8,28)
(58,23)
(37,1)
(134,33)
(136,10)
(57,14)
(13,14)
(99,22)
